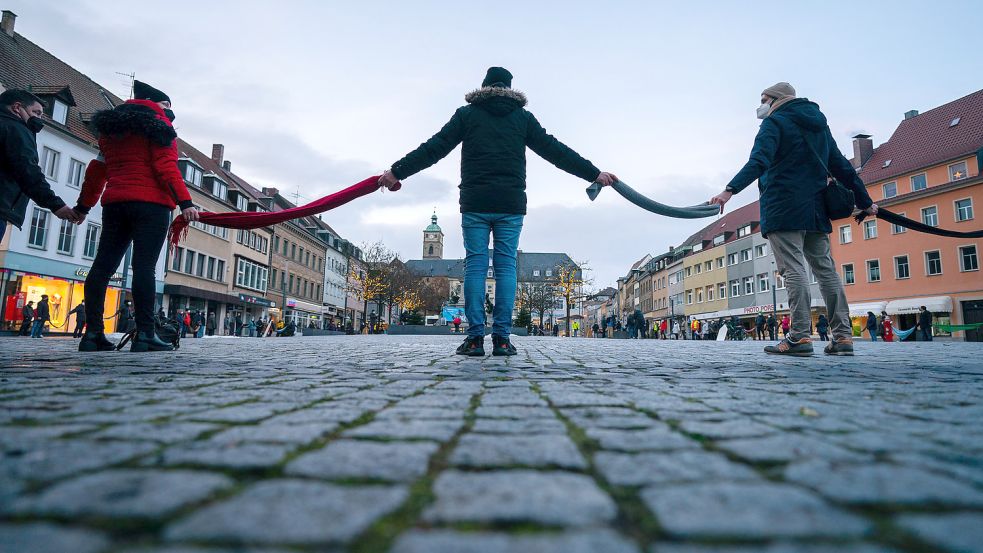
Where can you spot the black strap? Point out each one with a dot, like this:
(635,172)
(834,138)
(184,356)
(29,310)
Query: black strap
(918,226)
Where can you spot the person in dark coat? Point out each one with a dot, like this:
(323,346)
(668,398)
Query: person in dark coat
(495,129)
(822,327)
(238,325)
(42,315)
(27,314)
(759,326)
(772,327)
(872,326)
(210,324)
(793,155)
(79,313)
(139,183)
(925,323)
(21,178)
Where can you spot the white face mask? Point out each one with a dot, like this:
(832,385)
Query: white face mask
(763,110)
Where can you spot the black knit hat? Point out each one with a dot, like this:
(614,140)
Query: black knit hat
(143,91)
(497,76)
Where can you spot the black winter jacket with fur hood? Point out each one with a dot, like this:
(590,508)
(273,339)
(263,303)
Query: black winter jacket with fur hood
(495,129)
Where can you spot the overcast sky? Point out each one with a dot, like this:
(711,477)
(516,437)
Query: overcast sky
(313,96)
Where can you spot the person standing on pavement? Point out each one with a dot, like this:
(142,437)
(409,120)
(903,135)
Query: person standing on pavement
(872,326)
(794,154)
(238,325)
(210,324)
(759,326)
(27,316)
(888,327)
(21,177)
(925,323)
(138,182)
(772,327)
(822,327)
(79,313)
(42,315)
(495,129)
(786,325)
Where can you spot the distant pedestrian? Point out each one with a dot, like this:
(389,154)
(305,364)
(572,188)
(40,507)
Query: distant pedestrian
(759,326)
(252,328)
(79,313)
(663,328)
(210,324)
(872,326)
(576,328)
(42,315)
(201,324)
(925,323)
(556,330)
(822,327)
(238,325)
(595,330)
(772,327)
(888,325)
(457,324)
(27,315)
(675,330)
(786,325)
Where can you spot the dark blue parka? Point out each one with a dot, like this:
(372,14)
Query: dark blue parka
(790,176)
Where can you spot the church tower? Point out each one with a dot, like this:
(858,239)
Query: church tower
(433,240)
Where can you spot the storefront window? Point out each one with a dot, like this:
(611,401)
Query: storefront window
(63,295)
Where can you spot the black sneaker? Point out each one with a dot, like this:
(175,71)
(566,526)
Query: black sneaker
(502,346)
(95,341)
(473,346)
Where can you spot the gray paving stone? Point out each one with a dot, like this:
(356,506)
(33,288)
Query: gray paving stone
(290,512)
(160,432)
(651,439)
(193,549)
(417,413)
(639,469)
(747,510)
(736,428)
(125,493)
(883,483)
(957,532)
(787,448)
(450,541)
(512,426)
(552,498)
(543,450)
(344,459)
(514,412)
(297,433)
(781,547)
(43,537)
(248,412)
(215,454)
(567,399)
(59,458)
(440,430)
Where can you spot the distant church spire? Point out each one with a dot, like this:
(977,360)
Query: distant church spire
(433,240)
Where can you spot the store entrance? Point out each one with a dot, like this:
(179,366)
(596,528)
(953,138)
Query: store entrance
(973,313)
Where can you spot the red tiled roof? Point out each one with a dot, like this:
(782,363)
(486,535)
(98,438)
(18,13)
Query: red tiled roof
(26,65)
(730,222)
(928,139)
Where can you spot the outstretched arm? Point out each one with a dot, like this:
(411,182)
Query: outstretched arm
(559,154)
(428,153)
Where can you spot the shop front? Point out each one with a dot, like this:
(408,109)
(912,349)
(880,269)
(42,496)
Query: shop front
(252,309)
(904,313)
(303,314)
(180,298)
(64,291)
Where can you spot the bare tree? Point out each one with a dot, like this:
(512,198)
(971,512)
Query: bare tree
(569,283)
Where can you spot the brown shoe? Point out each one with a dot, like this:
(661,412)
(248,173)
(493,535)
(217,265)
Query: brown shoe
(842,346)
(801,348)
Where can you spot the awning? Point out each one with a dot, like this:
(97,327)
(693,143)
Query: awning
(861,309)
(935,304)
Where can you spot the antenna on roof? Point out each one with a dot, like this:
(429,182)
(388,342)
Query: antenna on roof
(132,77)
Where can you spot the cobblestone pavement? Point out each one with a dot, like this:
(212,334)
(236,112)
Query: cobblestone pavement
(575,446)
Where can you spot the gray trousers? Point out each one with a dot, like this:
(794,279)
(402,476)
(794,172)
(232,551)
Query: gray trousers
(793,249)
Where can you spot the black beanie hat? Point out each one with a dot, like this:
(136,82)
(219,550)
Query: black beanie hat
(143,91)
(497,76)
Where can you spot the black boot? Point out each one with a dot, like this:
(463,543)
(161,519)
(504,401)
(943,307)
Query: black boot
(502,346)
(473,346)
(95,341)
(148,341)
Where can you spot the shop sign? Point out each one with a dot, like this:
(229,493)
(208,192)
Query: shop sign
(82,272)
(291,303)
(758,309)
(256,301)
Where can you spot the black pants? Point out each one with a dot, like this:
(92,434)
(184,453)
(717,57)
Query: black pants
(145,226)
(25,327)
(79,326)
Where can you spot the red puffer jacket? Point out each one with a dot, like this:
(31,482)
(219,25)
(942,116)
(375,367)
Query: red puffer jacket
(139,159)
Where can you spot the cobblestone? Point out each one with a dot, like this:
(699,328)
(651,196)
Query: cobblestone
(385,443)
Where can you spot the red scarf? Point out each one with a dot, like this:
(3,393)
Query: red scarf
(257,219)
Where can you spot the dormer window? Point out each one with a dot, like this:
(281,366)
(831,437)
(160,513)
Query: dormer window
(192,175)
(242,204)
(59,112)
(887,163)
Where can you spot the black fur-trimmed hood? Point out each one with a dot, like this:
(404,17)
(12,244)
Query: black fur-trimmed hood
(134,118)
(497,100)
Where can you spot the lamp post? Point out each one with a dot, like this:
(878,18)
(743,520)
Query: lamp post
(774,293)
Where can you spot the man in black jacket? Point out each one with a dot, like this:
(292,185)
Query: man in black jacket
(925,323)
(42,315)
(21,179)
(79,313)
(28,317)
(495,129)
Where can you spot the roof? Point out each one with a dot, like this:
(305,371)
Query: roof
(26,65)
(929,139)
(729,223)
(433,227)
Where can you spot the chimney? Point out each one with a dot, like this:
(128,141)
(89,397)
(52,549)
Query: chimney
(271,192)
(863,148)
(910,114)
(7,24)
(227,165)
(218,153)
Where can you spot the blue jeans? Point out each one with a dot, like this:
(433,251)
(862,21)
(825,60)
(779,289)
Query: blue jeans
(37,328)
(476,228)
(873,334)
